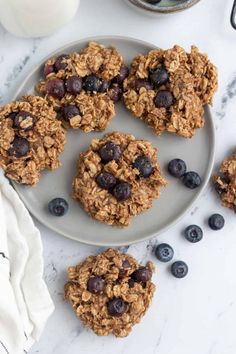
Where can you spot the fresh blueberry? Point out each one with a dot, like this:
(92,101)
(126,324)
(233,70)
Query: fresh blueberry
(105,85)
(95,285)
(110,151)
(163,99)
(139,83)
(115,93)
(191,180)
(69,111)
(193,233)
(24,120)
(19,147)
(164,252)
(142,275)
(74,85)
(48,69)
(59,63)
(106,180)
(56,88)
(177,168)
(122,191)
(92,83)
(116,307)
(216,222)
(179,269)
(159,77)
(143,164)
(58,206)
(124,72)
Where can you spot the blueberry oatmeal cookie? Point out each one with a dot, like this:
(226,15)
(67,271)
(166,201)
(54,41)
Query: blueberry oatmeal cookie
(225,182)
(110,292)
(168,88)
(84,86)
(31,139)
(117,178)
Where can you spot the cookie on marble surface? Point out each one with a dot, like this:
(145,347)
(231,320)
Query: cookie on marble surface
(84,86)
(31,139)
(168,88)
(225,182)
(117,178)
(110,292)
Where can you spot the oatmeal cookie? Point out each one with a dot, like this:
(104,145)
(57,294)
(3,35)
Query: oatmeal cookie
(168,88)
(84,86)
(110,292)
(31,139)
(225,182)
(118,177)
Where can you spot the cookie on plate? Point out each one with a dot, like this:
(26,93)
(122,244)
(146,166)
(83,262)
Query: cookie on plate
(110,292)
(117,177)
(84,86)
(168,88)
(225,182)
(31,139)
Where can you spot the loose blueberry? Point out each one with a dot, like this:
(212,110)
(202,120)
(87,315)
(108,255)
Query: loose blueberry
(24,120)
(122,191)
(58,206)
(19,147)
(159,77)
(56,88)
(193,233)
(110,151)
(124,72)
(95,285)
(106,180)
(105,85)
(74,85)
(92,83)
(115,93)
(143,164)
(69,112)
(164,252)
(143,83)
(142,275)
(191,180)
(179,269)
(163,99)
(216,222)
(59,63)
(177,168)
(116,307)
(48,69)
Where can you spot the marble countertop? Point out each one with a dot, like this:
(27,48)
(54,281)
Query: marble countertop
(195,315)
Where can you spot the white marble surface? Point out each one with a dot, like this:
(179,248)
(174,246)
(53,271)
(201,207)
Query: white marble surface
(195,315)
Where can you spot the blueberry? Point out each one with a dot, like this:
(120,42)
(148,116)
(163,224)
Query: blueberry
(12,115)
(59,63)
(142,275)
(191,180)
(74,85)
(92,83)
(164,252)
(58,206)
(69,111)
(159,77)
(143,164)
(116,307)
(106,180)
(179,269)
(177,168)
(216,222)
(48,69)
(193,233)
(24,120)
(123,270)
(95,285)
(19,147)
(163,99)
(124,72)
(105,85)
(122,191)
(56,88)
(115,93)
(110,151)
(143,83)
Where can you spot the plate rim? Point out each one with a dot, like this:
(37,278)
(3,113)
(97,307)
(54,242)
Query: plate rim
(150,235)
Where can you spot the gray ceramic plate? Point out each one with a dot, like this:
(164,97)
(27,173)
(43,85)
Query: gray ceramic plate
(175,199)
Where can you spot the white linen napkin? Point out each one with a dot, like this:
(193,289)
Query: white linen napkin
(25,303)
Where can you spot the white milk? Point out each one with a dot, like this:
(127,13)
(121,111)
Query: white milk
(36,18)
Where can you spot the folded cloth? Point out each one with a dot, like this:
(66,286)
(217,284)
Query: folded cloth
(25,303)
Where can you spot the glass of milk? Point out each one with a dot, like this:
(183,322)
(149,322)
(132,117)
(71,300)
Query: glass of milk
(36,18)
